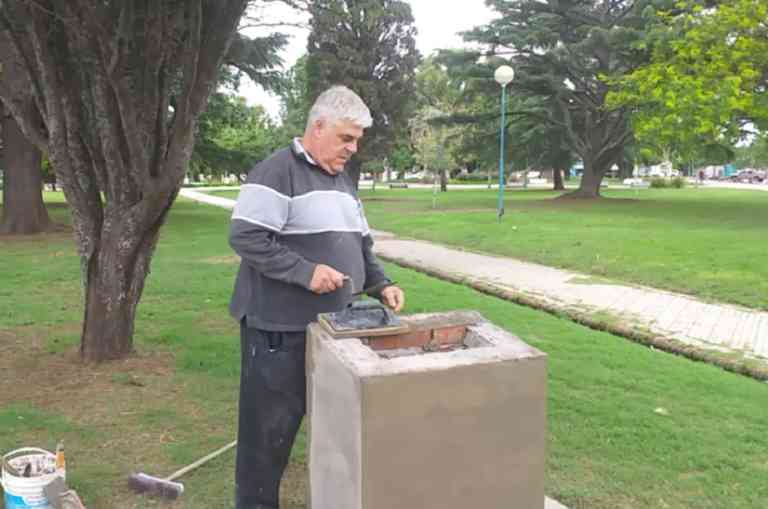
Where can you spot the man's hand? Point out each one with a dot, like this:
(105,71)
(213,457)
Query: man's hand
(326,279)
(393,297)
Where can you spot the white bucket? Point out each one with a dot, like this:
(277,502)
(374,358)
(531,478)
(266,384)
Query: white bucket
(27,492)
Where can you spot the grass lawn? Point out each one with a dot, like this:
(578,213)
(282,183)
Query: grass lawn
(705,242)
(610,447)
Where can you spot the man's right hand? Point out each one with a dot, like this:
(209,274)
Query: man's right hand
(326,279)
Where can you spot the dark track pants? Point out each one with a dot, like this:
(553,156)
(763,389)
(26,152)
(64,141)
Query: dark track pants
(272,404)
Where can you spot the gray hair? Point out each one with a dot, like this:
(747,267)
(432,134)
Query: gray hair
(340,103)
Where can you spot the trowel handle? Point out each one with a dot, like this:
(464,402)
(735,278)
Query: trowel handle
(375,288)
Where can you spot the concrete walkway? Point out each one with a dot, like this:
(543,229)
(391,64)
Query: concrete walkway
(710,326)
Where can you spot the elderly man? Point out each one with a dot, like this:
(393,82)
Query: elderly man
(305,246)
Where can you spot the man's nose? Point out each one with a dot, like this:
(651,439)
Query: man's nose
(352,147)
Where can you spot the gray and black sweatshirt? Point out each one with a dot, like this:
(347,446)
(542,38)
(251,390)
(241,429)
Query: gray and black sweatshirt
(290,216)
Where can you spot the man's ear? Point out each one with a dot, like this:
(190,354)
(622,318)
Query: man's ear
(317,127)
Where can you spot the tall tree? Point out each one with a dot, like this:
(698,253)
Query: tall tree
(119,87)
(23,209)
(531,139)
(564,52)
(435,139)
(368,46)
(430,141)
(294,97)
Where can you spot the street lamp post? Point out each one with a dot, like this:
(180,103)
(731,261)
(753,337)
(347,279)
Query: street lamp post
(503,75)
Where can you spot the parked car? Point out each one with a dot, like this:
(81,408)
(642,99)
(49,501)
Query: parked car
(749,176)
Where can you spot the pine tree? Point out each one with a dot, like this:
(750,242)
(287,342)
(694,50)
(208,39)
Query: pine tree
(564,53)
(368,46)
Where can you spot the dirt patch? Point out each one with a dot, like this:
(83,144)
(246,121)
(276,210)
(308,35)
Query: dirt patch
(32,373)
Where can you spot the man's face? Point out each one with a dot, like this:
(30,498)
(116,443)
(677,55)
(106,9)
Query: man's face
(335,143)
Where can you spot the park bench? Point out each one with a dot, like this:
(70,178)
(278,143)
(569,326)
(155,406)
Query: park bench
(398,185)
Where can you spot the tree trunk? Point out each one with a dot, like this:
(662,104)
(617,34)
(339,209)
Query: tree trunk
(443,181)
(115,275)
(625,168)
(23,209)
(557,177)
(589,188)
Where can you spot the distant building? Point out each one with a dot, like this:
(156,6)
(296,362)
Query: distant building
(711,172)
(662,170)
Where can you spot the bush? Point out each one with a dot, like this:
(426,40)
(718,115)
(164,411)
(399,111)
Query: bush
(678,182)
(471,177)
(662,183)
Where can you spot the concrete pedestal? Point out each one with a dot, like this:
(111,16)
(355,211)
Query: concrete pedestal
(450,415)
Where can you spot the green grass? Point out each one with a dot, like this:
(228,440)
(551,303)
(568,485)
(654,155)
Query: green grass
(176,399)
(705,242)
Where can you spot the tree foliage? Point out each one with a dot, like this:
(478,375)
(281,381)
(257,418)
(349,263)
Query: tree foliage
(368,46)
(233,136)
(708,75)
(468,116)
(564,52)
(295,98)
(435,141)
(754,155)
(401,158)
(430,141)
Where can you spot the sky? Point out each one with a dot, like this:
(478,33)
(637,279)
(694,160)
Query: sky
(438,23)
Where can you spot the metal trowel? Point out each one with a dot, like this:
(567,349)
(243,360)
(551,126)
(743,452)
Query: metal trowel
(365,317)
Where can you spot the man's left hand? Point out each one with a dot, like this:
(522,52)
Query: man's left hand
(393,297)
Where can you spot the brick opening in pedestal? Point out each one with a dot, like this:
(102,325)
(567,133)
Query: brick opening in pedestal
(449,415)
(427,339)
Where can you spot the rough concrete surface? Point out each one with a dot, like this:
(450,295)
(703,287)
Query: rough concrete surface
(448,430)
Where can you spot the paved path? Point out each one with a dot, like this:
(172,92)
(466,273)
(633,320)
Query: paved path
(686,319)
(736,185)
